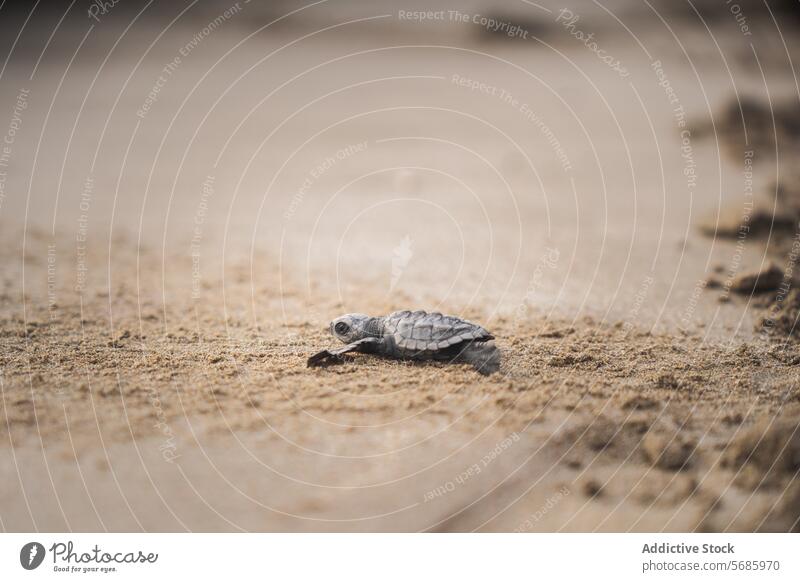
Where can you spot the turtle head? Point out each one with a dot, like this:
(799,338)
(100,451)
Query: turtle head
(351,327)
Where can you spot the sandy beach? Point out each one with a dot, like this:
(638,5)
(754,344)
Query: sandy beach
(188,201)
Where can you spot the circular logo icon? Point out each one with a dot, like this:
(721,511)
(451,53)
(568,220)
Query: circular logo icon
(31,555)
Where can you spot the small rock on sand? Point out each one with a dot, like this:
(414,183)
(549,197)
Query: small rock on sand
(667,452)
(767,279)
(783,316)
(771,447)
(592,488)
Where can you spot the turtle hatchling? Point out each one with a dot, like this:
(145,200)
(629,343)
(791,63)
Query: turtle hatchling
(413,335)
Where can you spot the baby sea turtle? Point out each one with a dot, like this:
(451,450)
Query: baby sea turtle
(413,335)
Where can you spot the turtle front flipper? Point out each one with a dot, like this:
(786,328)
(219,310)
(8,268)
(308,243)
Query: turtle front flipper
(330,356)
(320,358)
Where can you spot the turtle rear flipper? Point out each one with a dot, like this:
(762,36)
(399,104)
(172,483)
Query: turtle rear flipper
(483,356)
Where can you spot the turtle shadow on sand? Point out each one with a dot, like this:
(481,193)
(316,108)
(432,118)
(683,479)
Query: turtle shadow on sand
(489,367)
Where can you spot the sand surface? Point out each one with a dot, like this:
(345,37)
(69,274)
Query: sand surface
(166,272)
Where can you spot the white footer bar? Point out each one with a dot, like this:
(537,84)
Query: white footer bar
(383,557)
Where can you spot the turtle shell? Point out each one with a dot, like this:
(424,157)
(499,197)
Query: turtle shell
(419,331)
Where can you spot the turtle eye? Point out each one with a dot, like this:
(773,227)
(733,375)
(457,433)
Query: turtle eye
(341,328)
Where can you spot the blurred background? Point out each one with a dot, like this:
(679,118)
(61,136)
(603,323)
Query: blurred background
(477,135)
